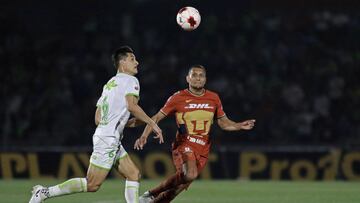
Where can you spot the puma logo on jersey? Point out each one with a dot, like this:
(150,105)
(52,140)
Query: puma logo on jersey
(198,106)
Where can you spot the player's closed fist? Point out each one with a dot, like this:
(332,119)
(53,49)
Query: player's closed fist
(248,124)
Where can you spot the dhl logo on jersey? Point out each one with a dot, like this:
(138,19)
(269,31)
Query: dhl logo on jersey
(198,106)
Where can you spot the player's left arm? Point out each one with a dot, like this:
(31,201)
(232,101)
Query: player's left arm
(226,124)
(138,112)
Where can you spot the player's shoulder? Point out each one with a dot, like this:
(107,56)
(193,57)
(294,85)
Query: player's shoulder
(176,96)
(178,93)
(123,76)
(210,93)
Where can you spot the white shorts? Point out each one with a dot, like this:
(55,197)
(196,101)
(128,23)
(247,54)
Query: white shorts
(106,152)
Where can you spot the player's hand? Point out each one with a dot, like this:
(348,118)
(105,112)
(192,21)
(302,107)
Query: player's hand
(140,142)
(247,125)
(131,123)
(158,132)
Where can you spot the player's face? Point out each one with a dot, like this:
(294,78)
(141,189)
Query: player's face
(196,78)
(129,64)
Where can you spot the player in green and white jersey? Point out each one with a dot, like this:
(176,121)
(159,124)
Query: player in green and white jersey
(119,99)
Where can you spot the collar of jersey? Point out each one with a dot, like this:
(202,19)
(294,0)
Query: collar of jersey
(121,73)
(196,94)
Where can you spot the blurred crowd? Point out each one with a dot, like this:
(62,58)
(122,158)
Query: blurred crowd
(296,72)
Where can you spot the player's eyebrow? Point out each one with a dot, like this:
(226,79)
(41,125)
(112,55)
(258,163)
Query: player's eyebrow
(198,73)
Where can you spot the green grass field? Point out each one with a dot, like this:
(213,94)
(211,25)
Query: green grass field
(18,191)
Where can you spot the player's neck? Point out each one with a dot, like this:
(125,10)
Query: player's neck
(124,72)
(197,92)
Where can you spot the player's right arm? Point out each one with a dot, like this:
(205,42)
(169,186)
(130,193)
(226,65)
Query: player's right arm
(97,115)
(138,112)
(141,141)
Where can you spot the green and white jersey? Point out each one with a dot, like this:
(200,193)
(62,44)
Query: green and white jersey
(114,112)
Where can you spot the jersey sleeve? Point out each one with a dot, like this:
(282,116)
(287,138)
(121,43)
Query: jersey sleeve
(219,108)
(133,87)
(169,107)
(98,102)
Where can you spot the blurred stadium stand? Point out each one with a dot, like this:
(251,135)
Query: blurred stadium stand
(294,67)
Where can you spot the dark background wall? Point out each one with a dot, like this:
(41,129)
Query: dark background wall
(294,67)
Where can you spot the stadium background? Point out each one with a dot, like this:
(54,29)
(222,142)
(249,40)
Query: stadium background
(294,66)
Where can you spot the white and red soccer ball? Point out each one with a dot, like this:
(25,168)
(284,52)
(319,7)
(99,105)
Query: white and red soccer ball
(188,18)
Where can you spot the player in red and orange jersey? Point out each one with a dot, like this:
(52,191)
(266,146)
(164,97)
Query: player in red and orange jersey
(195,109)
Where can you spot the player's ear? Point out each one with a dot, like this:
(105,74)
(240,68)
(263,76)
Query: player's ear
(121,65)
(188,78)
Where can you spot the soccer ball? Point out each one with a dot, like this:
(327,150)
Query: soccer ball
(188,18)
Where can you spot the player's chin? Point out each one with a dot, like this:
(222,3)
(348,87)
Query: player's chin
(198,87)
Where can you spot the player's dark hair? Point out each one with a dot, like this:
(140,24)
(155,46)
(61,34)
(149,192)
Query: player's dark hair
(120,54)
(197,66)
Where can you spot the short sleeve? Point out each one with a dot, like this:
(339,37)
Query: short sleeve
(133,87)
(170,106)
(98,102)
(219,108)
